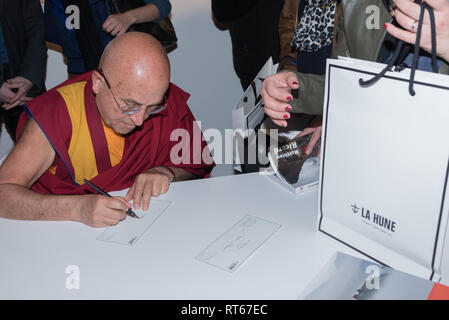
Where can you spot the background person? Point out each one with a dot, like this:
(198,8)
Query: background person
(98,27)
(283,92)
(253,26)
(23,57)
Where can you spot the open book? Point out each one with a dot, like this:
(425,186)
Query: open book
(293,168)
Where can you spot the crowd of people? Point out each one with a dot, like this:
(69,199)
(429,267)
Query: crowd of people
(111,121)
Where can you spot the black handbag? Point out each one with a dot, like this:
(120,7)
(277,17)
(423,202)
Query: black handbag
(162,30)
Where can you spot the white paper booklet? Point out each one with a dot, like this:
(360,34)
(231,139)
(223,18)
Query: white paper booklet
(130,230)
(237,244)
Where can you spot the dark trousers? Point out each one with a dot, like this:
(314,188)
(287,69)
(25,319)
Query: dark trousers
(248,167)
(10,117)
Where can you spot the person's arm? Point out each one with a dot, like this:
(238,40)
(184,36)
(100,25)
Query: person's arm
(195,163)
(34,61)
(286,92)
(20,170)
(32,68)
(164,7)
(297,92)
(117,24)
(154,183)
(180,174)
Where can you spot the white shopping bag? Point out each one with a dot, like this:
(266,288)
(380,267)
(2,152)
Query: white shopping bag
(248,112)
(384,166)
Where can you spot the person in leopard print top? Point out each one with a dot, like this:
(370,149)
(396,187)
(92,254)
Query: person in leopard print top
(291,92)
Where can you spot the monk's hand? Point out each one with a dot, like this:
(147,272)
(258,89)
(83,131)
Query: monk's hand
(407,15)
(151,183)
(101,211)
(117,24)
(276,95)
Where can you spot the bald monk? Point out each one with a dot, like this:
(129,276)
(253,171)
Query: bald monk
(111,126)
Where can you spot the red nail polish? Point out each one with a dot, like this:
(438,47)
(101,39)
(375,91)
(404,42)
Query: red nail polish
(286,116)
(304,149)
(385,26)
(289,98)
(288,108)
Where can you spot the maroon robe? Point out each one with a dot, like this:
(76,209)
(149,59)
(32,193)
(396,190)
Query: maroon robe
(146,147)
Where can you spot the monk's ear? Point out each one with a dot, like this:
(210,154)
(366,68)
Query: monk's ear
(96,81)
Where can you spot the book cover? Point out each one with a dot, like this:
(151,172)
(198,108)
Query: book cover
(293,167)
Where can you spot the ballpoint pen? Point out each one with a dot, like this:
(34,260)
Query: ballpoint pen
(129,212)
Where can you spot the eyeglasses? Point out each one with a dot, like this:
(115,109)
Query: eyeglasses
(130,110)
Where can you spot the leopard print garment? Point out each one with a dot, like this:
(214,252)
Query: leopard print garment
(316,27)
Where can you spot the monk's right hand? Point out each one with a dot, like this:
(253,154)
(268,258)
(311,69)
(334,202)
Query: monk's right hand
(101,211)
(276,95)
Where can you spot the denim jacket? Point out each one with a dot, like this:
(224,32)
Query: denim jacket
(56,31)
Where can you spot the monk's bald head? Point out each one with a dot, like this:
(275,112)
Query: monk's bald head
(138,72)
(136,61)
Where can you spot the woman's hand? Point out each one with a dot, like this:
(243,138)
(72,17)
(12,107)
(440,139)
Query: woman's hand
(407,15)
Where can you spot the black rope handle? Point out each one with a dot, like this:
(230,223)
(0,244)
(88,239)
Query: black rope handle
(424,6)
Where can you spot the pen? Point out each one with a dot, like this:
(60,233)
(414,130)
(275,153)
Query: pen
(129,212)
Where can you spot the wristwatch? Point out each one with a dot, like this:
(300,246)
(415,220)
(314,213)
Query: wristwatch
(173,177)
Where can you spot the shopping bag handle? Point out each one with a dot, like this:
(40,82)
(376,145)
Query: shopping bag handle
(424,6)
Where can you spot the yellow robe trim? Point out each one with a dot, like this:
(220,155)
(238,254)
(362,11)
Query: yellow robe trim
(81,150)
(116,144)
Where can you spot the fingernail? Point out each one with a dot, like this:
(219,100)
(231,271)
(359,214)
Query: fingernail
(288,108)
(289,98)
(385,26)
(304,149)
(286,116)
(295,83)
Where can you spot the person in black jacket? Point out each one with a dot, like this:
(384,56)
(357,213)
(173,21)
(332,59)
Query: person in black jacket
(253,25)
(23,57)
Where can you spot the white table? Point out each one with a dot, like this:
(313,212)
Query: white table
(162,264)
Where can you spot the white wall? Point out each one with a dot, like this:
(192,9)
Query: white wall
(201,65)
